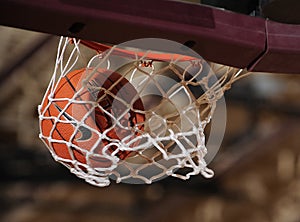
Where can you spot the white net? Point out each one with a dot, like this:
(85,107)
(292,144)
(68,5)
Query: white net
(130,115)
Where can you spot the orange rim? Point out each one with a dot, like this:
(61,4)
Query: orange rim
(99,48)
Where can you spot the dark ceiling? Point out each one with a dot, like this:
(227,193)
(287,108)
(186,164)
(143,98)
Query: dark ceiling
(245,6)
(285,11)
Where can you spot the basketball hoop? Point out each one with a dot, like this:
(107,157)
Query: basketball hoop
(130,114)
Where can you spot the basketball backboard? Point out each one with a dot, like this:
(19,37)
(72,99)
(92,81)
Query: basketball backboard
(218,35)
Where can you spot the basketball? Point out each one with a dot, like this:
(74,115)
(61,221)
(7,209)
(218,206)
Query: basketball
(75,129)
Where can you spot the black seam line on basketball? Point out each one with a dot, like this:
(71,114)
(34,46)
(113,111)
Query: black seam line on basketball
(73,148)
(85,132)
(72,86)
(74,89)
(55,126)
(111,82)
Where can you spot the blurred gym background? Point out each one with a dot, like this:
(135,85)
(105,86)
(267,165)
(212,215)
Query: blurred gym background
(257,168)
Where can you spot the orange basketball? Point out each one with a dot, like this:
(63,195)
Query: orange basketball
(75,129)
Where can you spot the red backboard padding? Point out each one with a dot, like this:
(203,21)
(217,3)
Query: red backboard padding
(217,35)
(283,49)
